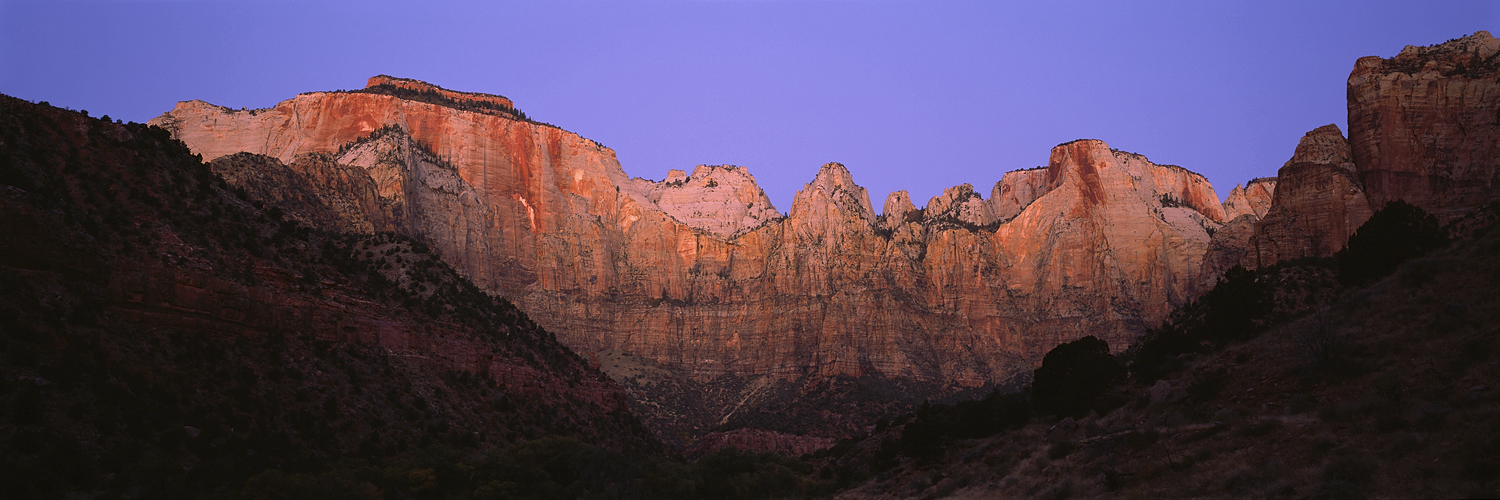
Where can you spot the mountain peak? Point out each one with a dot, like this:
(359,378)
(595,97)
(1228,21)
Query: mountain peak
(1325,144)
(721,199)
(837,184)
(833,175)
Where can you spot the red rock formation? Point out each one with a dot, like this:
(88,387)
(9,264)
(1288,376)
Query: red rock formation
(1254,198)
(314,189)
(961,205)
(1318,202)
(723,200)
(1017,189)
(1232,244)
(700,273)
(420,86)
(1102,232)
(1424,126)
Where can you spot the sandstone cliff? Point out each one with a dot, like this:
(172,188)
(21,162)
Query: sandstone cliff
(722,200)
(1253,198)
(1233,244)
(1017,189)
(1318,202)
(1424,126)
(700,273)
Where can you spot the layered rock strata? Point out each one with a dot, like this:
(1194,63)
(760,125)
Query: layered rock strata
(701,273)
(1318,202)
(1424,126)
(1252,198)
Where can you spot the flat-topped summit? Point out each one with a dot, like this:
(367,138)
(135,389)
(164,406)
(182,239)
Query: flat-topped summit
(379,81)
(1473,56)
(1423,126)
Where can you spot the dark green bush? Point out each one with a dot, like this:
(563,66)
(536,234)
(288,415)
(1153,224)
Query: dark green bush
(1073,375)
(932,426)
(1396,233)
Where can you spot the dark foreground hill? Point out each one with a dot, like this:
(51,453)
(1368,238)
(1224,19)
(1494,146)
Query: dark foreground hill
(163,336)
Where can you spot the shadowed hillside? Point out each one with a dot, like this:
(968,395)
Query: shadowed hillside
(164,335)
(1279,383)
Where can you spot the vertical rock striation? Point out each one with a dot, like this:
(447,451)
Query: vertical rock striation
(702,274)
(1318,201)
(1253,198)
(1424,126)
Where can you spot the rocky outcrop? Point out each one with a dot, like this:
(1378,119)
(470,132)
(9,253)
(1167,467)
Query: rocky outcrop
(700,273)
(720,199)
(315,190)
(1107,229)
(419,88)
(960,205)
(1317,204)
(1017,189)
(1424,126)
(1252,198)
(1232,245)
(897,210)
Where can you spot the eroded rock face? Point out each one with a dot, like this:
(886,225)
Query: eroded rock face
(1317,204)
(1232,245)
(1424,126)
(1252,198)
(1102,233)
(1017,189)
(700,273)
(961,205)
(723,200)
(897,209)
(315,190)
(189,282)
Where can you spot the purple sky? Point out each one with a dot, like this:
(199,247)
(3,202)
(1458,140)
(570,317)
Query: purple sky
(913,95)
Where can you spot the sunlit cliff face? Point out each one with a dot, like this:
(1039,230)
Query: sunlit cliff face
(700,271)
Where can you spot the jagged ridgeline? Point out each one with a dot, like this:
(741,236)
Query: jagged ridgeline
(751,311)
(755,312)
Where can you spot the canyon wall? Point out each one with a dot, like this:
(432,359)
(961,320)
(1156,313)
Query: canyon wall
(702,275)
(1252,198)
(1317,204)
(200,306)
(1424,126)
(700,272)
